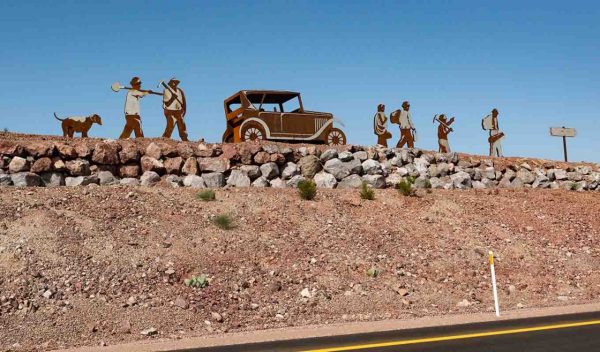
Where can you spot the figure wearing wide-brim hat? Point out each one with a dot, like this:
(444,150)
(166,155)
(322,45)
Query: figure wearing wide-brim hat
(133,119)
(443,130)
(174,106)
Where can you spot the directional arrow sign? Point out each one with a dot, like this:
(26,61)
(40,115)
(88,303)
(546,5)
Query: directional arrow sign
(562,132)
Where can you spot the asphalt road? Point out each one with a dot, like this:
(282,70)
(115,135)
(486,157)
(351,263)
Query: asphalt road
(578,332)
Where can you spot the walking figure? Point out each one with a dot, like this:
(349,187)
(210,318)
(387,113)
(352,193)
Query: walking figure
(408,133)
(174,106)
(443,130)
(380,126)
(490,122)
(133,120)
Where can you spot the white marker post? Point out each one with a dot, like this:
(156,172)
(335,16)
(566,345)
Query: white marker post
(496,305)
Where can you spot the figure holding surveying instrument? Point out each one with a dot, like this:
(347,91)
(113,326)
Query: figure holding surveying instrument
(133,120)
(174,106)
(443,130)
(408,132)
(490,122)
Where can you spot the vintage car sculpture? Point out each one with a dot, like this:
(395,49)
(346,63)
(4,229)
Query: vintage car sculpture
(277,116)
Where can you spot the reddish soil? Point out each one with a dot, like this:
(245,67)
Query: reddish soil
(93,249)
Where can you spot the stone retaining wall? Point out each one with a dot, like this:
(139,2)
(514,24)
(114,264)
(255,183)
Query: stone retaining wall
(81,162)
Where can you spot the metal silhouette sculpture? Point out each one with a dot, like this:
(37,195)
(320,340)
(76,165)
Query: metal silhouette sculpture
(443,131)
(253,115)
(408,132)
(81,124)
(174,107)
(380,126)
(490,123)
(133,119)
(563,132)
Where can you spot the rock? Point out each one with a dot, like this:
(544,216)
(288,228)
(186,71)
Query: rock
(106,153)
(149,178)
(402,292)
(325,180)
(436,183)
(463,303)
(345,156)
(517,182)
(336,168)
(65,151)
(193,181)
(129,171)
(360,155)
(375,181)
(489,173)
(261,182)
(5,180)
(107,178)
(174,181)
(422,166)
(293,182)
(18,164)
(48,294)
(461,180)
(214,180)
(149,163)
(128,181)
(58,165)
(39,149)
(230,152)
(181,303)
(277,183)
(26,179)
(278,159)
(262,158)
(269,170)
(129,154)
(371,167)
(353,166)
(43,164)
(252,171)
(350,181)
(512,289)
(309,166)
(557,174)
(238,178)
(574,176)
(190,167)
(82,150)
(204,151)
(526,176)
(393,179)
(78,167)
(173,165)
(216,317)
(305,293)
(329,154)
(149,332)
(583,169)
(81,180)
(153,151)
(218,165)
(422,183)
(478,185)
(290,170)
(247,152)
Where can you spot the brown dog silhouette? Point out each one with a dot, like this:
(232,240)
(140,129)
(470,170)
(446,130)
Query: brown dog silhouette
(81,124)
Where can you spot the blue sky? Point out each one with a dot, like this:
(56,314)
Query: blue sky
(538,62)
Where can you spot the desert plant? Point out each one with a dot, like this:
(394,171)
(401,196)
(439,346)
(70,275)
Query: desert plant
(206,195)
(196,281)
(5,130)
(307,189)
(223,221)
(366,192)
(427,184)
(574,186)
(405,187)
(373,272)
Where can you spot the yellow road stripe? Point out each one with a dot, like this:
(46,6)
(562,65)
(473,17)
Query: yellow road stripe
(457,337)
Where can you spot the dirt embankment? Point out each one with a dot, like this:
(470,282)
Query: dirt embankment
(94,265)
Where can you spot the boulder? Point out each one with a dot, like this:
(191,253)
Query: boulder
(149,163)
(271,148)
(478,185)
(347,156)
(261,182)
(41,165)
(574,176)
(422,166)
(82,150)
(309,166)
(129,153)
(219,165)
(5,180)
(238,178)
(81,180)
(193,181)
(583,169)
(371,167)
(65,151)
(375,181)
(149,178)
(39,149)
(293,182)
(190,167)
(185,150)
(53,179)
(489,172)
(173,165)
(461,180)
(78,167)
(58,164)
(393,179)
(557,174)
(230,152)
(278,158)
(106,153)
(205,151)
(107,178)
(173,181)
(336,168)
(328,155)
(153,151)
(262,158)
(350,181)
(526,176)
(129,171)
(18,164)
(325,180)
(214,179)
(252,171)
(277,183)
(269,170)
(129,181)
(290,170)
(422,182)
(353,166)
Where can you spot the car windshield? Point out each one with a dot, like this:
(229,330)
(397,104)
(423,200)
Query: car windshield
(275,102)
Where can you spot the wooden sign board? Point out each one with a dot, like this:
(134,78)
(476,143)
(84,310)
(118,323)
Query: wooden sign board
(562,132)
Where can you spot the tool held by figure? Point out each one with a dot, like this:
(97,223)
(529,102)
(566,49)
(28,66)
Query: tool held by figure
(166,86)
(435,119)
(117,87)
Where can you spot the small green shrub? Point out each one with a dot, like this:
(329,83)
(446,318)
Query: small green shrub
(223,221)
(206,195)
(373,272)
(574,186)
(427,184)
(307,189)
(405,187)
(366,192)
(196,281)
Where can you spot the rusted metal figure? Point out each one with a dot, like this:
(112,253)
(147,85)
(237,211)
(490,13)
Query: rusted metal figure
(408,132)
(380,126)
(490,123)
(133,119)
(443,130)
(174,107)
(81,124)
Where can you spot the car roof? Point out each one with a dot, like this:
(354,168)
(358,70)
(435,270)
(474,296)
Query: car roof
(273,96)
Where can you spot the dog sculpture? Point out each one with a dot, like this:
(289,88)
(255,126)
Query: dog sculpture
(73,124)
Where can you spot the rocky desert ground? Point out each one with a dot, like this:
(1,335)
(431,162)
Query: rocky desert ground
(101,265)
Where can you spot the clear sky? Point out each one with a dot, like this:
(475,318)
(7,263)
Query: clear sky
(538,62)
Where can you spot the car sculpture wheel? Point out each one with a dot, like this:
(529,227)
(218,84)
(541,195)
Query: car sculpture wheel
(336,137)
(253,132)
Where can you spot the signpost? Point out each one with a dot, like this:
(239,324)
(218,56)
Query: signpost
(564,133)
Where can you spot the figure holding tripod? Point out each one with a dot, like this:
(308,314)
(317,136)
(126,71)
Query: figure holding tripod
(174,106)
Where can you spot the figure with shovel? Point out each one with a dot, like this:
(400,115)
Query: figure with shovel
(174,106)
(443,130)
(133,120)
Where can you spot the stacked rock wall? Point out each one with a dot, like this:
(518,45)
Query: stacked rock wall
(60,162)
